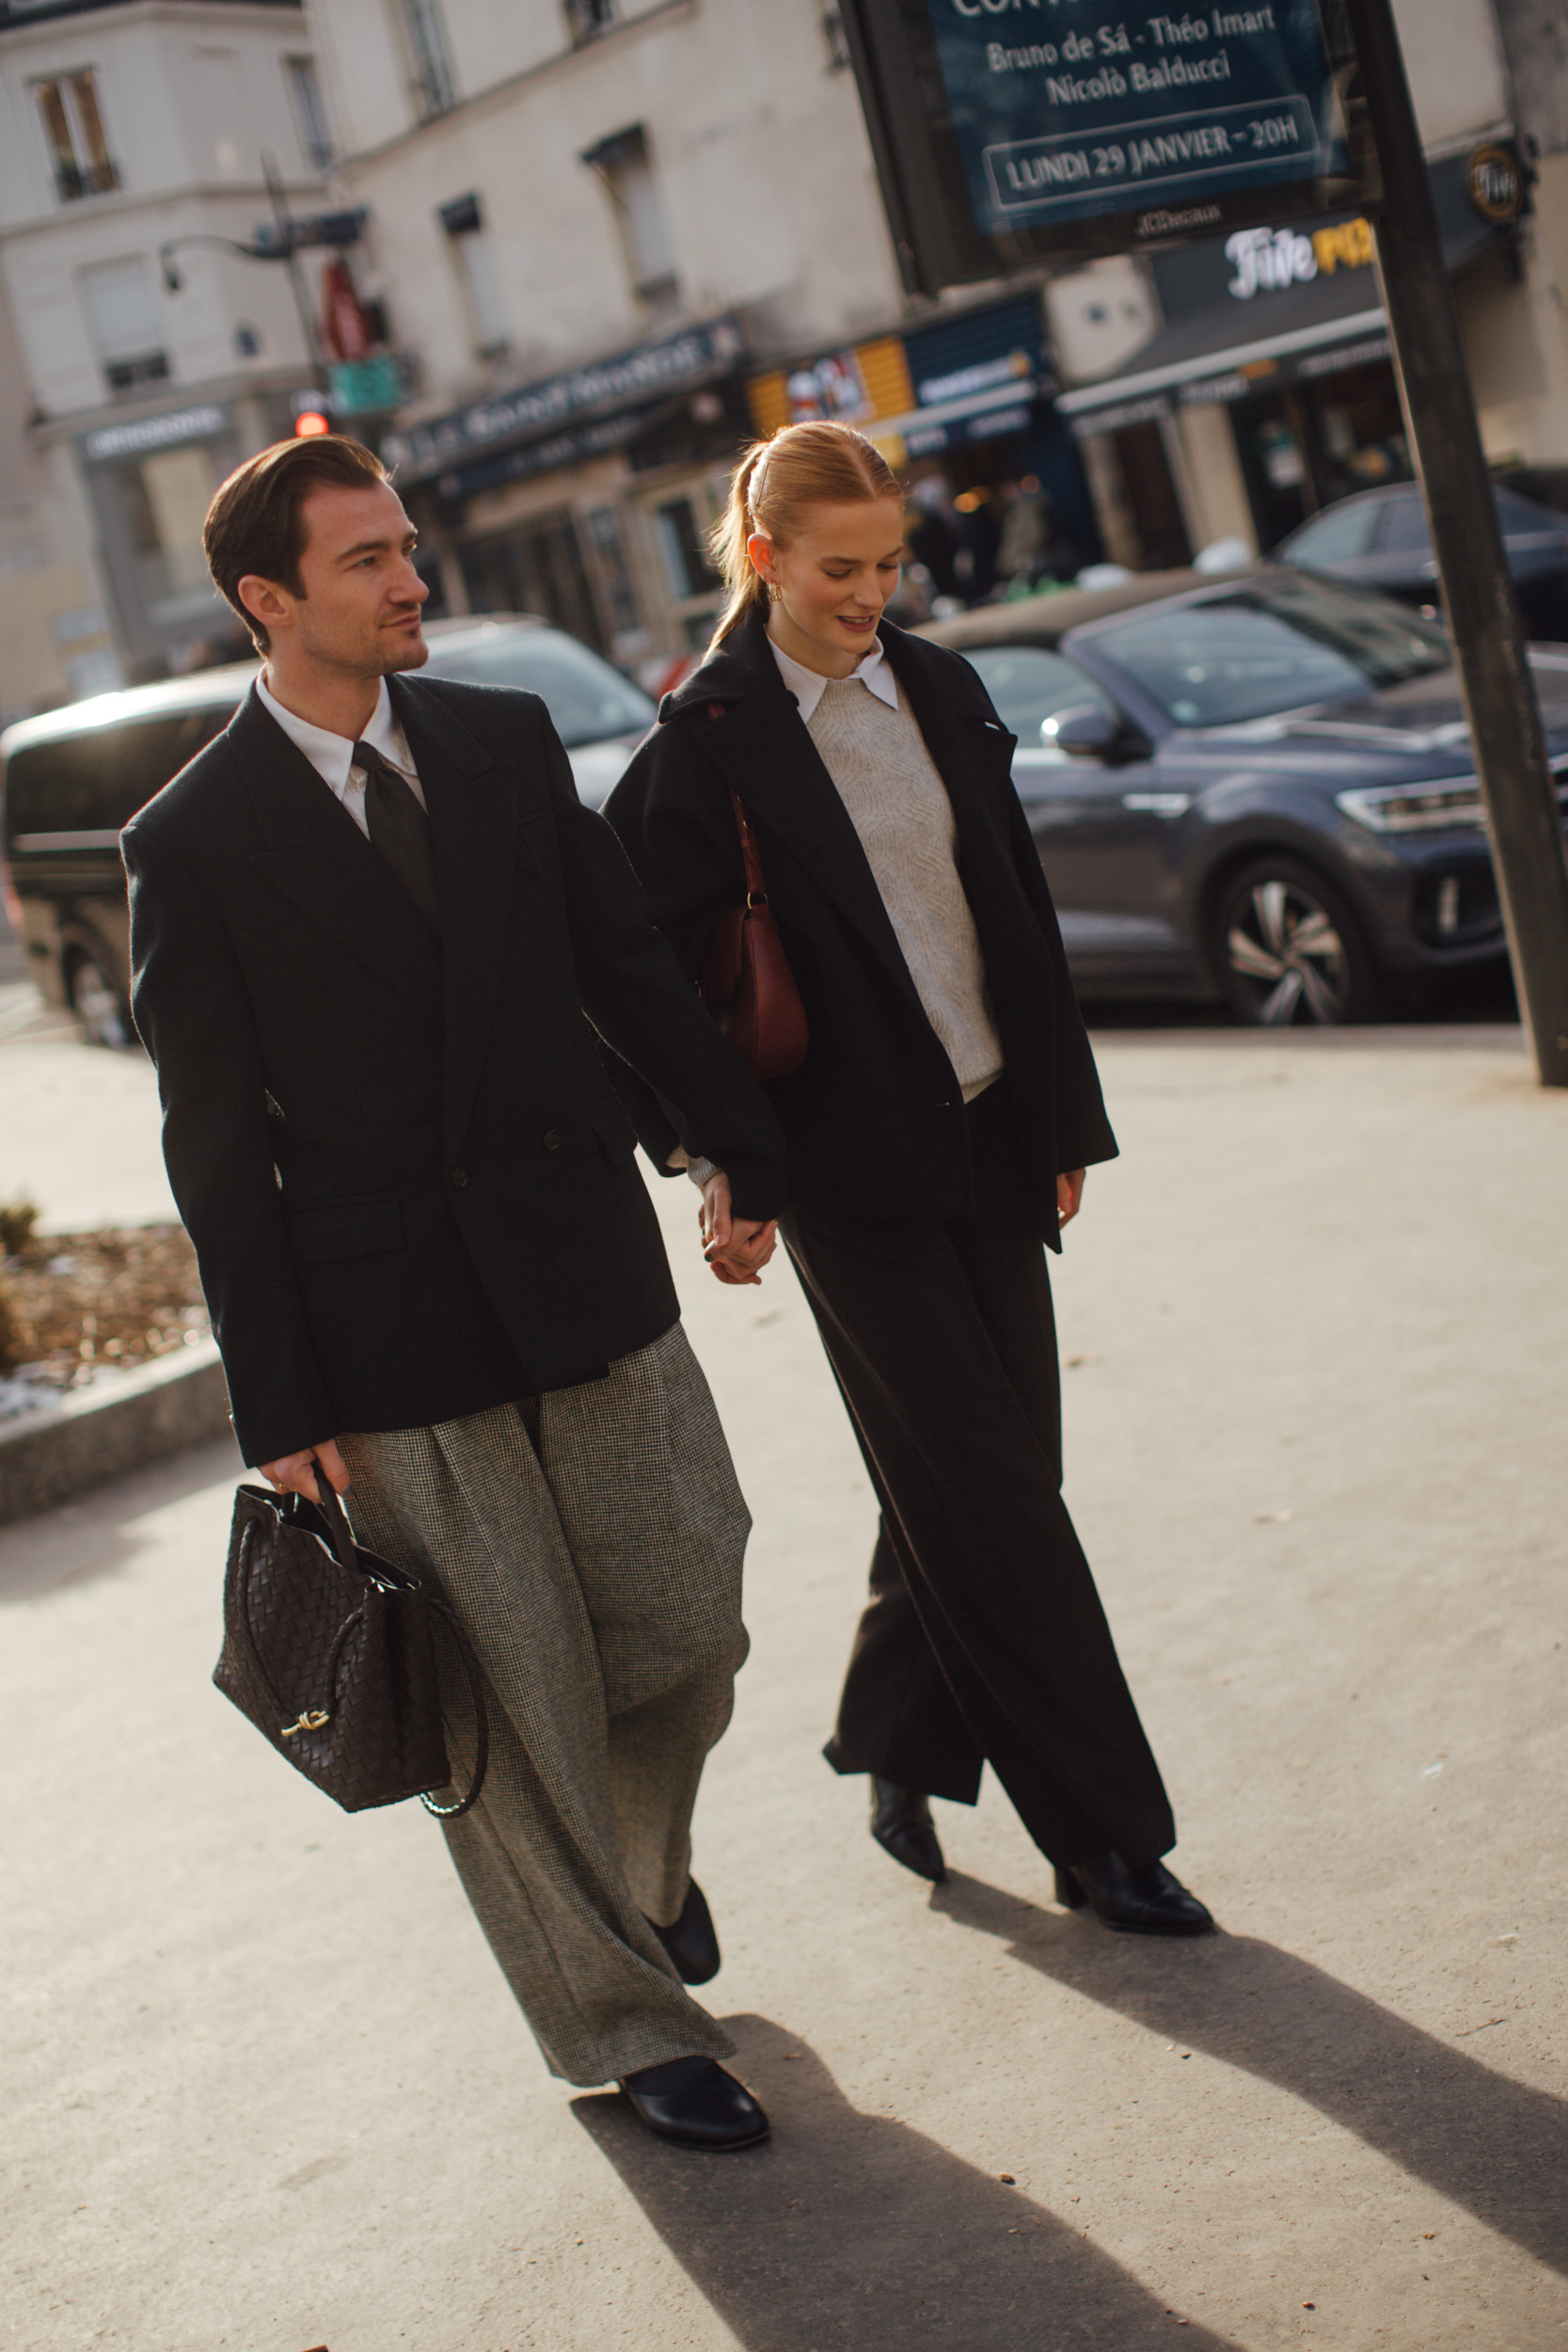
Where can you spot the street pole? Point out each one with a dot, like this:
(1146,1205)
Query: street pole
(297,277)
(1517,787)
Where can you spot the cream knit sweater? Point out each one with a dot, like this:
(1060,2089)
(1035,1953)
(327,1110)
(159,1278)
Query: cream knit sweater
(898,806)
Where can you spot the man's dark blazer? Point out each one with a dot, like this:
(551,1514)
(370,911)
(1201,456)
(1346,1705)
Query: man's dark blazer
(874,1117)
(409,1178)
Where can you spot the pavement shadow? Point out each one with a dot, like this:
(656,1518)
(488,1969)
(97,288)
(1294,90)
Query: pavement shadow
(82,1541)
(1495,2147)
(847,2228)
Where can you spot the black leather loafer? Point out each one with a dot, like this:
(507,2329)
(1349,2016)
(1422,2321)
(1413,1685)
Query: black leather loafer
(1146,1902)
(902,1825)
(691,1943)
(694,2103)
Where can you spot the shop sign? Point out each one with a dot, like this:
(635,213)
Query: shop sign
(832,387)
(1270,261)
(855,387)
(696,354)
(148,435)
(1495,181)
(1084,126)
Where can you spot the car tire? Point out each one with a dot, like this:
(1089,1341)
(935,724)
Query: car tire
(1287,950)
(101,1012)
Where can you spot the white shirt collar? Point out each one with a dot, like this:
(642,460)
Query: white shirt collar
(332,755)
(874,670)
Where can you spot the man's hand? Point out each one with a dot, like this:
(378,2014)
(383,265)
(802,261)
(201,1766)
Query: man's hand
(735,1247)
(296,1473)
(1069,1194)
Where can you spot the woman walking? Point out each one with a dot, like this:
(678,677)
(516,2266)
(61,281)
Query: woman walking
(939,1129)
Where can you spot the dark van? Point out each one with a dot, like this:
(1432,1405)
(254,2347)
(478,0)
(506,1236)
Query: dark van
(72,777)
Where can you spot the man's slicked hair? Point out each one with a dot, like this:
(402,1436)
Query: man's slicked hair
(255,522)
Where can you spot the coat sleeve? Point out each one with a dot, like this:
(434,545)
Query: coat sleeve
(193,1013)
(693,1082)
(1083,1131)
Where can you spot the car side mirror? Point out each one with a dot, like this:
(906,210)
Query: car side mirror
(1084,732)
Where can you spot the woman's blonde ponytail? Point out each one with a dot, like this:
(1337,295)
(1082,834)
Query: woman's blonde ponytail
(814,464)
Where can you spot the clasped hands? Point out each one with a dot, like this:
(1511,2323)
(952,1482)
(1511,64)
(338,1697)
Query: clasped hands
(736,1247)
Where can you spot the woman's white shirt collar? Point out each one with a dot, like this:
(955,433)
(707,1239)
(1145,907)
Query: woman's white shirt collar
(808,687)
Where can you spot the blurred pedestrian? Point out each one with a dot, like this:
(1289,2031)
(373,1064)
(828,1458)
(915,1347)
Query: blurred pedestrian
(371,924)
(939,1130)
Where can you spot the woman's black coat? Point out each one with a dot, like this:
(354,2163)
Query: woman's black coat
(874,1117)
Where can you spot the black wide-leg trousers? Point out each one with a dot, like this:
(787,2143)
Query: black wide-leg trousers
(984,1640)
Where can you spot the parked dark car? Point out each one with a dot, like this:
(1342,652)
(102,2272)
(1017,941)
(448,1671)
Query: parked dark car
(1379,539)
(74,777)
(1262,790)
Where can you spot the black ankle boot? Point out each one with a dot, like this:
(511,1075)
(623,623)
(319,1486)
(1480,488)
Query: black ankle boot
(1146,1902)
(901,1824)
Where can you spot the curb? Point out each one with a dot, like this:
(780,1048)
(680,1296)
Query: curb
(88,1439)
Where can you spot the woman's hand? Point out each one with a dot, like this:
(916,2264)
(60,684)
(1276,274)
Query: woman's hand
(1069,1194)
(296,1473)
(735,1247)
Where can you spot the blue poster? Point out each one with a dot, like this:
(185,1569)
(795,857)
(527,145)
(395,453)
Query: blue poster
(1071,109)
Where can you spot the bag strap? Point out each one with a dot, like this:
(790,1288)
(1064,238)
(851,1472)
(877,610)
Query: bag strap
(756,889)
(482,1719)
(339,1534)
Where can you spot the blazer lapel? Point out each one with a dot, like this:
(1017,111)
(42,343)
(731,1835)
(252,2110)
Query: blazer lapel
(473,802)
(317,856)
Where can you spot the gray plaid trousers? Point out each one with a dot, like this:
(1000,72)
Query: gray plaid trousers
(598,1579)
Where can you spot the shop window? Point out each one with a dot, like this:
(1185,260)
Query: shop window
(616,586)
(122,320)
(587,19)
(536,569)
(683,551)
(73,126)
(309,108)
(472,252)
(624,164)
(435,86)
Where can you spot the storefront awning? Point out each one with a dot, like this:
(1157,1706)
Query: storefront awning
(1264,307)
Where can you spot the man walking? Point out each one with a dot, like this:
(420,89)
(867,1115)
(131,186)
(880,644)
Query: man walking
(368,923)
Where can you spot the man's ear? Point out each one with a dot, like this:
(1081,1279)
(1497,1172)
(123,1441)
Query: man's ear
(264,602)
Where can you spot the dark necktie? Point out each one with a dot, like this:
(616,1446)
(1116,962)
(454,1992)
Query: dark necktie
(401,831)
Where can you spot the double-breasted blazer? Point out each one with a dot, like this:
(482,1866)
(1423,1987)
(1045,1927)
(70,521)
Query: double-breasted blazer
(409,1178)
(874,1117)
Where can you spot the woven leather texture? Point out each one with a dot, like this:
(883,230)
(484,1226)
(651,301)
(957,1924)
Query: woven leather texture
(334,1663)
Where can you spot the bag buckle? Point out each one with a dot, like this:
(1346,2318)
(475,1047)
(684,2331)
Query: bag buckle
(310,1719)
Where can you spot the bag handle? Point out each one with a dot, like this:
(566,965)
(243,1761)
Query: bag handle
(344,1547)
(756,889)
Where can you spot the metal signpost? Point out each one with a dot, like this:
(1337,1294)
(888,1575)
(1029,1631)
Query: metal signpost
(1016,135)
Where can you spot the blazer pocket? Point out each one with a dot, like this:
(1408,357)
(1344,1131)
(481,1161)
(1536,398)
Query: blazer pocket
(344,1229)
(614,1131)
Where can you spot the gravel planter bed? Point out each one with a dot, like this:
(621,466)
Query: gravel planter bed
(111,1299)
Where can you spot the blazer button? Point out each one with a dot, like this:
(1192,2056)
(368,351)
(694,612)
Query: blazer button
(460,1177)
(552,1140)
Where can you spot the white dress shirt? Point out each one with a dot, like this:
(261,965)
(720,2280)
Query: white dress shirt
(332,755)
(809,686)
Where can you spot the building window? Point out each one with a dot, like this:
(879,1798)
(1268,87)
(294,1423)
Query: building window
(617,590)
(472,252)
(305,95)
(625,166)
(837,41)
(73,126)
(587,19)
(434,89)
(122,319)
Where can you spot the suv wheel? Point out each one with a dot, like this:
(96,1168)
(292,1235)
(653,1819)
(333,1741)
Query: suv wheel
(1288,951)
(96,1002)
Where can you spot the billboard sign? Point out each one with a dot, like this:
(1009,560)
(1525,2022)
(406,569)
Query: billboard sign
(1010,132)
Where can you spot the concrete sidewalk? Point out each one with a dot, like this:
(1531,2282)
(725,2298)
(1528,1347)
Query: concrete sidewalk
(265,2088)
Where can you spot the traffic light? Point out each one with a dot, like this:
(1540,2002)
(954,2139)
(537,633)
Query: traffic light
(311,421)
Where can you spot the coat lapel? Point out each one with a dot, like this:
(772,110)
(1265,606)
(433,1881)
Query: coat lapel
(473,802)
(763,749)
(317,856)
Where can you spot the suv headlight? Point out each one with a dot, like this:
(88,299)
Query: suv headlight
(1415,807)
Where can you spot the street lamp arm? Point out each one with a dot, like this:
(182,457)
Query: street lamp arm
(230,244)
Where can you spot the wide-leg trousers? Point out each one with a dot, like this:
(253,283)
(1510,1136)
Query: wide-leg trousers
(594,1566)
(984,1640)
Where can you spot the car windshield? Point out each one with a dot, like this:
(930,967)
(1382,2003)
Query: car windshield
(1271,648)
(586,698)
